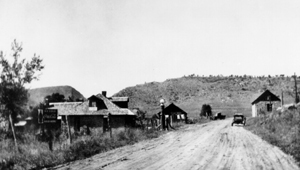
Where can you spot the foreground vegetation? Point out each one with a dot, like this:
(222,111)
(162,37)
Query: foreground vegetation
(279,129)
(33,154)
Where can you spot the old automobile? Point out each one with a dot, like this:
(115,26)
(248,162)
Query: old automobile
(239,118)
(219,116)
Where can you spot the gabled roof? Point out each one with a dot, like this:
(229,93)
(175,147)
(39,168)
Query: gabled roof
(265,96)
(172,106)
(169,108)
(82,108)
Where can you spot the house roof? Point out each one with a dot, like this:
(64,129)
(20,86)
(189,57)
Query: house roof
(265,96)
(122,111)
(119,99)
(173,107)
(82,108)
(157,110)
(76,108)
(109,104)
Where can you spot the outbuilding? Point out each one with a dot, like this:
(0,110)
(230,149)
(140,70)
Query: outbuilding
(174,113)
(263,103)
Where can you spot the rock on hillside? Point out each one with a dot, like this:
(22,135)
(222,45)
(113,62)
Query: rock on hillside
(226,94)
(37,95)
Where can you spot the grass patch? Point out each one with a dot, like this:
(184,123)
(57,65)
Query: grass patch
(281,129)
(33,154)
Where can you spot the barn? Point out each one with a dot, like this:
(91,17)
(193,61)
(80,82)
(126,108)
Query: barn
(263,103)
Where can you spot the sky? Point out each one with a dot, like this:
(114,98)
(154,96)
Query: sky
(108,45)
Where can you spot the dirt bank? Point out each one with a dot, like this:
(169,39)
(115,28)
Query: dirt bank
(215,145)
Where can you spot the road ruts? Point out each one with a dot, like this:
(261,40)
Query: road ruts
(214,145)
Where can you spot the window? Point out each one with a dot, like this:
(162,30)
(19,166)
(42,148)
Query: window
(269,107)
(94,104)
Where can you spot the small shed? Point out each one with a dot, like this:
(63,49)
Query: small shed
(175,113)
(264,103)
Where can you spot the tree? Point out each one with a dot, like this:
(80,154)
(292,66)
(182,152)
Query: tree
(205,110)
(55,97)
(15,74)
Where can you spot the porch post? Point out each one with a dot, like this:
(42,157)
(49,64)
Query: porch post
(69,130)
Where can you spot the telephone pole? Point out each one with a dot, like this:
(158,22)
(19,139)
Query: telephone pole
(296,91)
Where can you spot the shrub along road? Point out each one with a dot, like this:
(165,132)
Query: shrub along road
(214,145)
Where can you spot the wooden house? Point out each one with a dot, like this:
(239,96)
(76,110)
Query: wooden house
(172,112)
(95,112)
(263,103)
(175,113)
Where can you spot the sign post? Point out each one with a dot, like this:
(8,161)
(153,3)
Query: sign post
(40,116)
(50,116)
(47,116)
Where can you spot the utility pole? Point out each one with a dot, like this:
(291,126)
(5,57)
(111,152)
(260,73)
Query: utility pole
(296,91)
(163,120)
(282,102)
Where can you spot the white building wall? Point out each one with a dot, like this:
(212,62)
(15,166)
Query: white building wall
(254,110)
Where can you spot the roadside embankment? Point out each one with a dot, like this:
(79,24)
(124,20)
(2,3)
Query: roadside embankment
(279,129)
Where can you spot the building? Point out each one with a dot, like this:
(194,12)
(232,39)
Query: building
(172,112)
(263,103)
(95,112)
(175,113)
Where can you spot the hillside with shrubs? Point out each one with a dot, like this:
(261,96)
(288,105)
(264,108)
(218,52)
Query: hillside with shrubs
(226,94)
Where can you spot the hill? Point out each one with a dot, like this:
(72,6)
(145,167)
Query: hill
(227,94)
(37,95)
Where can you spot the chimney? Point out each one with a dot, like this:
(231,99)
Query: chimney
(104,93)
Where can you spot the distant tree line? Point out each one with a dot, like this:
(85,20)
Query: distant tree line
(282,76)
(57,97)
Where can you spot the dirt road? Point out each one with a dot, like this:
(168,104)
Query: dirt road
(215,145)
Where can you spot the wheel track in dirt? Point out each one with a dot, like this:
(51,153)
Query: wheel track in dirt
(215,145)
